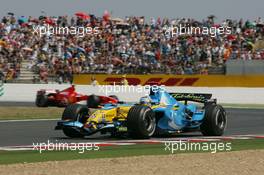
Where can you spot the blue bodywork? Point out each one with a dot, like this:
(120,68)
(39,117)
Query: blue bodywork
(175,115)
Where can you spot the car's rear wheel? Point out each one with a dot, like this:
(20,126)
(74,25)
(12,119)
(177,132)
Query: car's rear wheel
(42,101)
(215,121)
(63,103)
(74,112)
(93,101)
(141,122)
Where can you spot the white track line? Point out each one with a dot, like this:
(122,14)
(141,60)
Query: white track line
(134,142)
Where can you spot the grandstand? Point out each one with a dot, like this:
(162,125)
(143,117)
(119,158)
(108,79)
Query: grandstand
(123,46)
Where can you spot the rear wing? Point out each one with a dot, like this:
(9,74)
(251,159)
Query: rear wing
(195,97)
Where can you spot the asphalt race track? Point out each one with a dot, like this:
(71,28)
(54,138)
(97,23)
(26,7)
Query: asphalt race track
(17,133)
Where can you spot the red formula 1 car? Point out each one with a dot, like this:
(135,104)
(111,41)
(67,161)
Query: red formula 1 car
(68,96)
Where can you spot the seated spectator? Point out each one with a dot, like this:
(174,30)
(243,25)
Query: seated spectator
(43,72)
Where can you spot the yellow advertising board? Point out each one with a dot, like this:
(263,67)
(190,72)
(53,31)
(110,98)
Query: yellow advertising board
(175,80)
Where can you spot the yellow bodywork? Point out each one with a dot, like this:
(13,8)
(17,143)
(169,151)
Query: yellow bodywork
(108,115)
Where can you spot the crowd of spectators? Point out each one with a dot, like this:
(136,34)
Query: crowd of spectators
(122,46)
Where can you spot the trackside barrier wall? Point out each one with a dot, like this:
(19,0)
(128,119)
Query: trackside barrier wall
(27,92)
(176,80)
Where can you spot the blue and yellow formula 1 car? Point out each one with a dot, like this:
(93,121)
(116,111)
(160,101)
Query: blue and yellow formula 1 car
(156,114)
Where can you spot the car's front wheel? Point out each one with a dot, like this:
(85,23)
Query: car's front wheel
(141,122)
(41,100)
(74,112)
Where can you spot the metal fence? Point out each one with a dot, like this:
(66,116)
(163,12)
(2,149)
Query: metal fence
(244,67)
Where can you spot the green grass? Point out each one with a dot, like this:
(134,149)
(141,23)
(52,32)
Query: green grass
(9,157)
(20,113)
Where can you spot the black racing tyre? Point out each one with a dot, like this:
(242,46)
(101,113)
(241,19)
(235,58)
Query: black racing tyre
(74,112)
(93,101)
(41,101)
(141,122)
(62,104)
(114,97)
(215,121)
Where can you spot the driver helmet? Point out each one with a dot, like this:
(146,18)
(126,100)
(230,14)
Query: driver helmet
(145,100)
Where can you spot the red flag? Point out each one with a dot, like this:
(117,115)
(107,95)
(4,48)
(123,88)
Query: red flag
(82,15)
